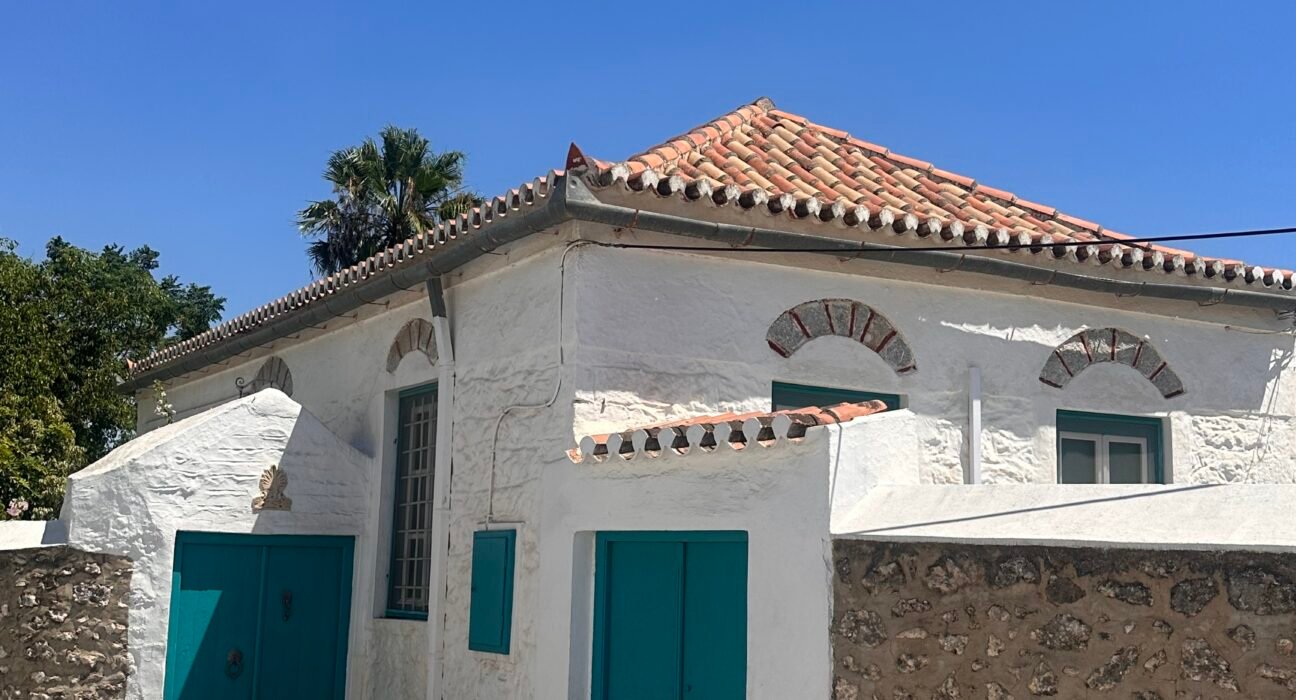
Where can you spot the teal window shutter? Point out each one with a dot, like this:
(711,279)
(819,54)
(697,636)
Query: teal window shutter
(1100,448)
(792,396)
(490,614)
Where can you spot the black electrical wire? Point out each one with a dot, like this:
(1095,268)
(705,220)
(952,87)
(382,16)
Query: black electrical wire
(964,248)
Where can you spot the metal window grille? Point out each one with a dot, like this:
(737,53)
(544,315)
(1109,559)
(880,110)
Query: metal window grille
(412,525)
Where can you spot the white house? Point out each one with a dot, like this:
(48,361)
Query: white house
(474,445)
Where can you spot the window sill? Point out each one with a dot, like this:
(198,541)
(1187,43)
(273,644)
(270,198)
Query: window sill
(404,615)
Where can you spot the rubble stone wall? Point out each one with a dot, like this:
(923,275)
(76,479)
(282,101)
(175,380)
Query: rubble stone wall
(947,621)
(63,624)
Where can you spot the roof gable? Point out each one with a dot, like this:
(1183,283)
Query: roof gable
(828,174)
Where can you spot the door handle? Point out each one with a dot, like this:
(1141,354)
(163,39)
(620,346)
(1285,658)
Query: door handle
(287,604)
(234,663)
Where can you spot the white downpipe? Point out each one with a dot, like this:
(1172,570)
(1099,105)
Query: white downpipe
(441,502)
(973,475)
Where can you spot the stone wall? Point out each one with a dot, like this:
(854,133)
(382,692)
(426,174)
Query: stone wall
(948,621)
(63,624)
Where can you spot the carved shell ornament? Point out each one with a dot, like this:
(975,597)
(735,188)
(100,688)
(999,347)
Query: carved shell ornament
(273,482)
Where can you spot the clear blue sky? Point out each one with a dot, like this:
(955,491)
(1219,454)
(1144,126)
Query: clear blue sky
(200,130)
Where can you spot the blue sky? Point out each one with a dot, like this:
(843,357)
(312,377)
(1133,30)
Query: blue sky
(200,128)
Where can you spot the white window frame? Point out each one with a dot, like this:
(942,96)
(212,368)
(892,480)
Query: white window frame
(1102,462)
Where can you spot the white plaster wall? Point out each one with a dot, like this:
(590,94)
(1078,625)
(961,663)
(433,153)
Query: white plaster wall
(652,335)
(396,645)
(507,335)
(778,495)
(201,474)
(341,377)
(1201,516)
(504,314)
(666,334)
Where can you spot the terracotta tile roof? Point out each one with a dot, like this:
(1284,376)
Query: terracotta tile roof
(705,434)
(760,157)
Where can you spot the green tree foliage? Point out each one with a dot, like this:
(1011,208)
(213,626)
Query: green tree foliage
(383,194)
(68,324)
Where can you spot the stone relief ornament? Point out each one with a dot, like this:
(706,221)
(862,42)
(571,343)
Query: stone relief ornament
(273,482)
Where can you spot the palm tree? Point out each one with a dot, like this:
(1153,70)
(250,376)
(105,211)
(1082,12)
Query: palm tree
(383,195)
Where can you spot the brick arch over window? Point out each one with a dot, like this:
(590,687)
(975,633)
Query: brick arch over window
(844,318)
(415,335)
(1098,345)
(274,372)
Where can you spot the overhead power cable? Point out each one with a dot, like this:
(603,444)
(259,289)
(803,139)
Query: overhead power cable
(1249,233)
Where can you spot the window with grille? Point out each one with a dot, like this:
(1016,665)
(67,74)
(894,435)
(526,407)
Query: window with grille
(411,558)
(1098,448)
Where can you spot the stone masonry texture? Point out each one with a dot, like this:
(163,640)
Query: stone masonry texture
(945,621)
(63,624)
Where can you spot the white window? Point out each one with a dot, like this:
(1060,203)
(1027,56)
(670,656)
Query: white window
(1095,448)
(1087,458)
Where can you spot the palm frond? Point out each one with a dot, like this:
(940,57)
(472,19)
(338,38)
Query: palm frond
(385,191)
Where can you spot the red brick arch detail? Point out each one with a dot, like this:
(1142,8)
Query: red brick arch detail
(415,335)
(1098,345)
(845,318)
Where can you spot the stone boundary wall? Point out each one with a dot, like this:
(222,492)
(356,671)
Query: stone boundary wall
(63,624)
(945,621)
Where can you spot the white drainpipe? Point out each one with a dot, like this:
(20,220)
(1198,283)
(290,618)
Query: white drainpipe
(973,475)
(440,486)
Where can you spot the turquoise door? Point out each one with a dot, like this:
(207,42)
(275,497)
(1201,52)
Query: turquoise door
(670,618)
(258,617)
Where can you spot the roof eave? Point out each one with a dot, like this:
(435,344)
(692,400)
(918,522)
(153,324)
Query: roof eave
(502,229)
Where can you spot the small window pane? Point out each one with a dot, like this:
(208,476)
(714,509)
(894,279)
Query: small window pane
(1079,461)
(1125,462)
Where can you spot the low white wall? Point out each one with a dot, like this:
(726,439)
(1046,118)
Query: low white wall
(879,449)
(1210,517)
(23,534)
(778,495)
(201,474)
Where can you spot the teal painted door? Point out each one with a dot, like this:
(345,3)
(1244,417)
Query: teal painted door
(258,617)
(670,620)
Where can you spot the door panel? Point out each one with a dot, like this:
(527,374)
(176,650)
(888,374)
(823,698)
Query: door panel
(299,624)
(642,645)
(214,614)
(670,621)
(228,595)
(715,621)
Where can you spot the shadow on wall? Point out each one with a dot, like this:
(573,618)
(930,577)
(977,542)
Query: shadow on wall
(1038,509)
